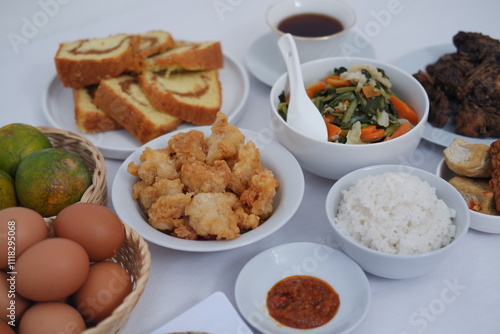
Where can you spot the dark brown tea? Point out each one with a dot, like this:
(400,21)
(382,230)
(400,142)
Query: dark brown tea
(310,25)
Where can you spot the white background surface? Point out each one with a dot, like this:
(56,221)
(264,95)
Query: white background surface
(463,296)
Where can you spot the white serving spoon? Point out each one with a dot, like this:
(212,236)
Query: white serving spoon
(302,115)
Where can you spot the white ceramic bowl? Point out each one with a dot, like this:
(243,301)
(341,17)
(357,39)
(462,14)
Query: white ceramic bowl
(478,221)
(398,266)
(273,156)
(334,160)
(310,48)
(263,271)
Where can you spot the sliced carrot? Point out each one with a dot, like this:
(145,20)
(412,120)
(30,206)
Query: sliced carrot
(377,134)
(313,89)
(337,82)
(370,91)
(332,129)
(401,130)
(369,129)
(404,110)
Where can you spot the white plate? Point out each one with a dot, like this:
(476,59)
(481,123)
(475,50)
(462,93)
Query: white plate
(478,221)
(418,60)
(265,62)
(214,314)
(58,107)
(260,274)
(275,157)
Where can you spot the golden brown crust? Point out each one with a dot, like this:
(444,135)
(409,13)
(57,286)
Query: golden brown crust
(132,110)
(202,56)
(198,101)
(88,117)
(75,72)
(495,173)
(151,43)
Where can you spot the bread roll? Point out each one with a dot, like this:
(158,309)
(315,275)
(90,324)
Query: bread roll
(471,160)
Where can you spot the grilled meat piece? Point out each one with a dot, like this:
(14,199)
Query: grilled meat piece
(469,79)
(495,171)
(439,104)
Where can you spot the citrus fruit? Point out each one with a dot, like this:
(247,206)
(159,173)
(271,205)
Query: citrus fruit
(7,191)
(51,179)
(17,141)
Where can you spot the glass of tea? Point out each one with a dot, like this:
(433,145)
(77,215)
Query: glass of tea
(317,26)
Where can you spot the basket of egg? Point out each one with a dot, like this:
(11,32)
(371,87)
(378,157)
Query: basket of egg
(82,271)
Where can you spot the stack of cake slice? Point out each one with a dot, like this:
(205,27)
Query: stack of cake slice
(147,84)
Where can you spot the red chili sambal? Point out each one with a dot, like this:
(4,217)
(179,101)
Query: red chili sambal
(302,302)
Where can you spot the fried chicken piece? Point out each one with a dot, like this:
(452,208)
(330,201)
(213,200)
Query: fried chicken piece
(199,177)
(259,196)
(246,221)
(224,141)
(169,211)
(146,195)
(211,215)
(247,165)
(187,147)
(156,164)
(495,171)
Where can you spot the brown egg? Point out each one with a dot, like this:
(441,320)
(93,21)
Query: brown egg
(107,284)
(6,329)
(95,227)
(52,269)
(52,317)
(19,229)
(12,305)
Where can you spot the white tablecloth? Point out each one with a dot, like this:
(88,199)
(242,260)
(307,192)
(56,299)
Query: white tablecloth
(463,296)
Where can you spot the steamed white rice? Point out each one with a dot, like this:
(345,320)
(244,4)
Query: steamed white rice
(395,213)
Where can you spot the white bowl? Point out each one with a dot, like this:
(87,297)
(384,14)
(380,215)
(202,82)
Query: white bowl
(313,47)
(398,266)
(260,274)
(334,160)
(478,221)
(273,156)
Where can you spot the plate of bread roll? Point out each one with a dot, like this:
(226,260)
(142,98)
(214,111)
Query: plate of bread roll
(123,90)
(474,170)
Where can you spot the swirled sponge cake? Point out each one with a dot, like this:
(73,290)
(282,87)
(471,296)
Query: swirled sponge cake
(88,117)
(88,61)
(151,43)
(194,96)
(188,56)
(123,99)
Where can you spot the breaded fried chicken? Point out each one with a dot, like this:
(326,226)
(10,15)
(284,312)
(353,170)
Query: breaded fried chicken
(199,177)
(259,197)
(224,142)
(247,165)
(168,211)
(187,147)
(212,215)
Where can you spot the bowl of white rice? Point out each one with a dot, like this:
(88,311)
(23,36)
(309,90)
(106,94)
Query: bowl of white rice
(396,221)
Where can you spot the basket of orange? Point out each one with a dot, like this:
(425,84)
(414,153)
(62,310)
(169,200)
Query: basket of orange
(49,169)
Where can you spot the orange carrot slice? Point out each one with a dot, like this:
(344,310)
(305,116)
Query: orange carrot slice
(404,110)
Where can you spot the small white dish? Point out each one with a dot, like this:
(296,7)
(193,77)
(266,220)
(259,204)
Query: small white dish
(418,60)
(214,314)
(58,107)
(478,221)
(265,62)
(260,274)
(275,157)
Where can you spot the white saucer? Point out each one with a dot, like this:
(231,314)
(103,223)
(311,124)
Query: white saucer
(302,258)
(264,60)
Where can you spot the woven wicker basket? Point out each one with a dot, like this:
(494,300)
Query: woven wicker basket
(90,155)
(135,257)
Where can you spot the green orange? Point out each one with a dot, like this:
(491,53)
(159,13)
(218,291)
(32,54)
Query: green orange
(17,141)
(7,191)
(49,180)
